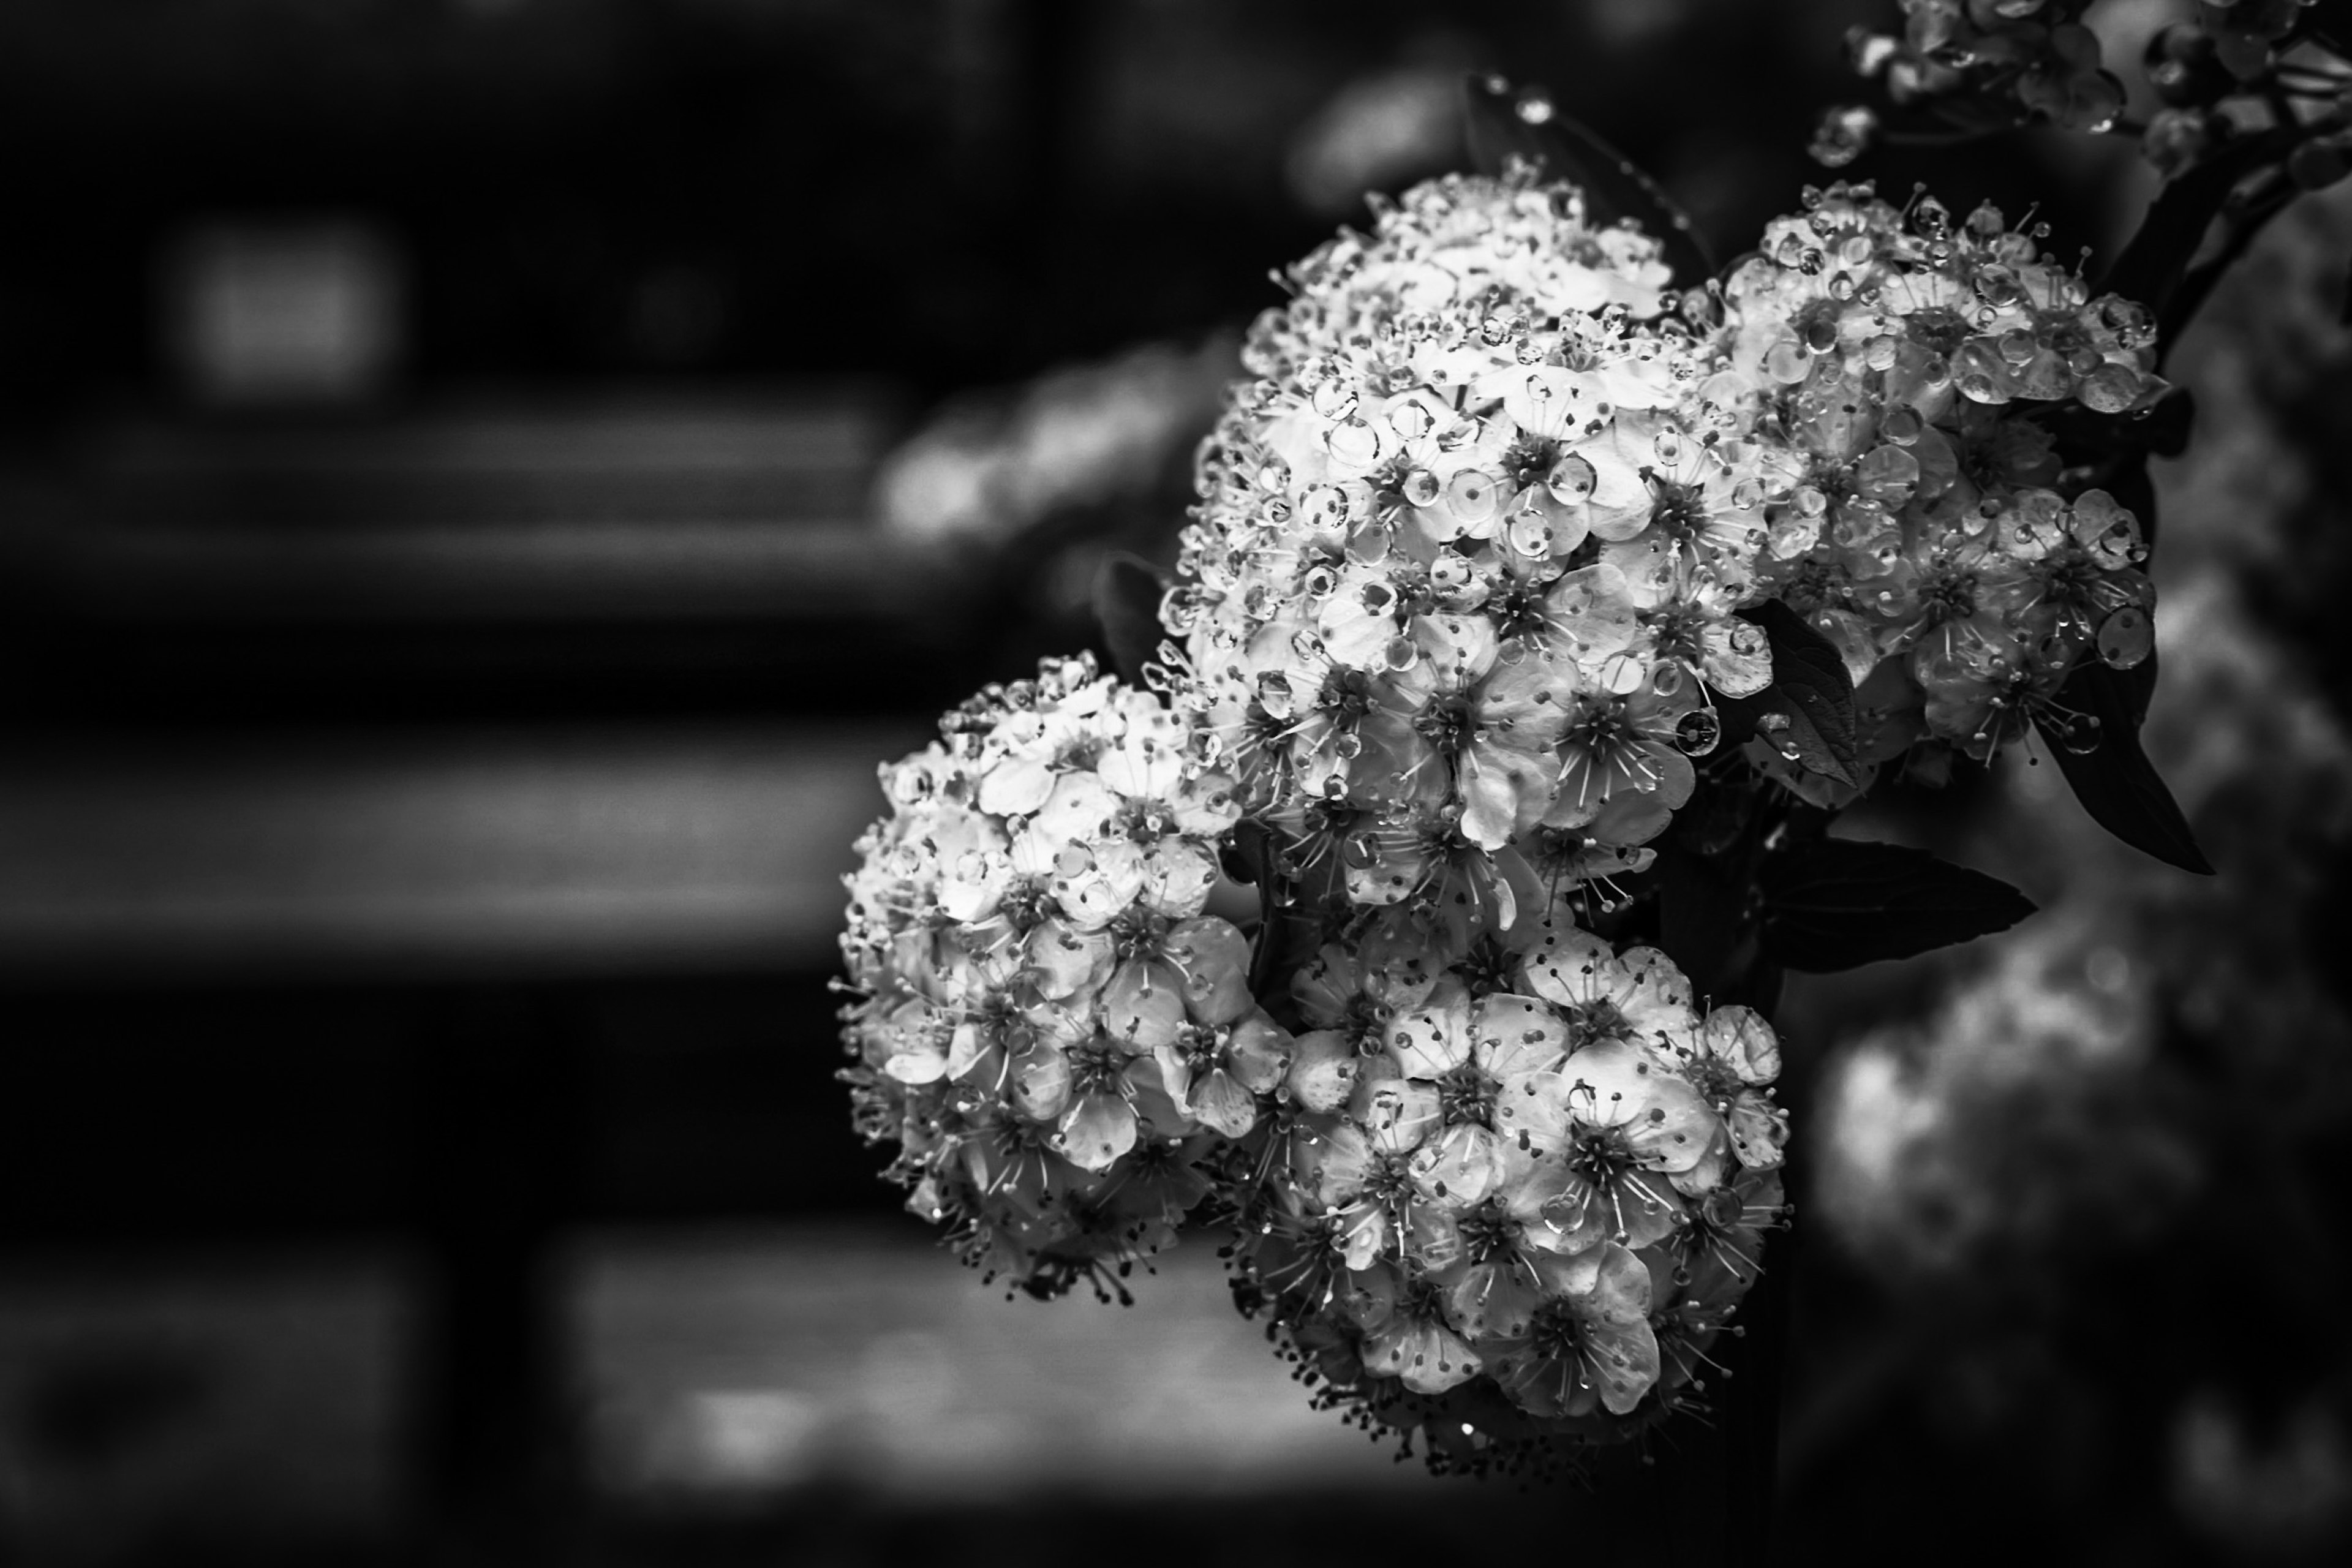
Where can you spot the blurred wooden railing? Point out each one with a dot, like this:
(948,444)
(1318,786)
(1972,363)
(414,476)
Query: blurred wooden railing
(361,785)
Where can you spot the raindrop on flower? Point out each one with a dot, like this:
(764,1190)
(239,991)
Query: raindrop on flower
(2110,389)
(1470,497)
(2078,732)
(1333,399)
(1786,362)
(1529,533)
(1979,387)
(1621,674)
(2126,638)
(1698,732)
(1325,506)
(1409,420)
(1570,480)
(1354,443)
(1536,110)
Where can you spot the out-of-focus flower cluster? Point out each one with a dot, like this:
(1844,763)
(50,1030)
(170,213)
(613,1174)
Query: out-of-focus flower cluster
(1964,67)
(1938,1143)
(1513,1206)
(984,472)
(1980,65)
(1458,593)
(1907,361)
(1047,1024)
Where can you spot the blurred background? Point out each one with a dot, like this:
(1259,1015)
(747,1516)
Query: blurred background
(483,482)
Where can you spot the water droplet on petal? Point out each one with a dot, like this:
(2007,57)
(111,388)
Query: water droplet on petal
(2110,389)
(1411,420)
(1699,731)
(1354,443)
(1623,674)
(1571,480)
(1529,533)
(1421,487)
(1471,496)
(1333,399)
(2126,638)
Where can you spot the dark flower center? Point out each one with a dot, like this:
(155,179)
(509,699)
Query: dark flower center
(1529,460)
(1673,510)
(1448,725)
(1488,1232)
(1095,1069)
(1138,934)
(1346,696)
(1388,1182)
(1600,1154)
(1465,1097)
(1024,903)
(1950,595)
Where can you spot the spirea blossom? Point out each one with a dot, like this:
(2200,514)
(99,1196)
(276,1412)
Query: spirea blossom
(1523,1215)
(1468,549)
(1049,1025)
(1985,63)
(1907,364)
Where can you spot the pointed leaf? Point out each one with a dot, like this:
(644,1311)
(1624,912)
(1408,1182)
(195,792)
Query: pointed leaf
(1127,591)
(2113,779)
(1810,691)
(1701,920)
(1527,121)
(1835,904)
(1247,853)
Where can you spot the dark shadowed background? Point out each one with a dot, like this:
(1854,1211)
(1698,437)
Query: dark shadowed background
(483,482)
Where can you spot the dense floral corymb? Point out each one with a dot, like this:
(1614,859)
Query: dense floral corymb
(1910,368)
(1049,1025)
(1467,551)
(1525,1215)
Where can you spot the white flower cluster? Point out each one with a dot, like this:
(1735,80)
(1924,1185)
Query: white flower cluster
(1905,362)
(1472,570)
(1458,595)
(1049,1025)
(1523,1213)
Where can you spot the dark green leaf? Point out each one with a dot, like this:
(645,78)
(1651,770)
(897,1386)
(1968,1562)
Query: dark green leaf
(1127,591)
(2112,776)
(1503,122)
(1810,694)
(1702,922)
(1834,903)
(1247,856)
(2152,265)
(2087,436)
